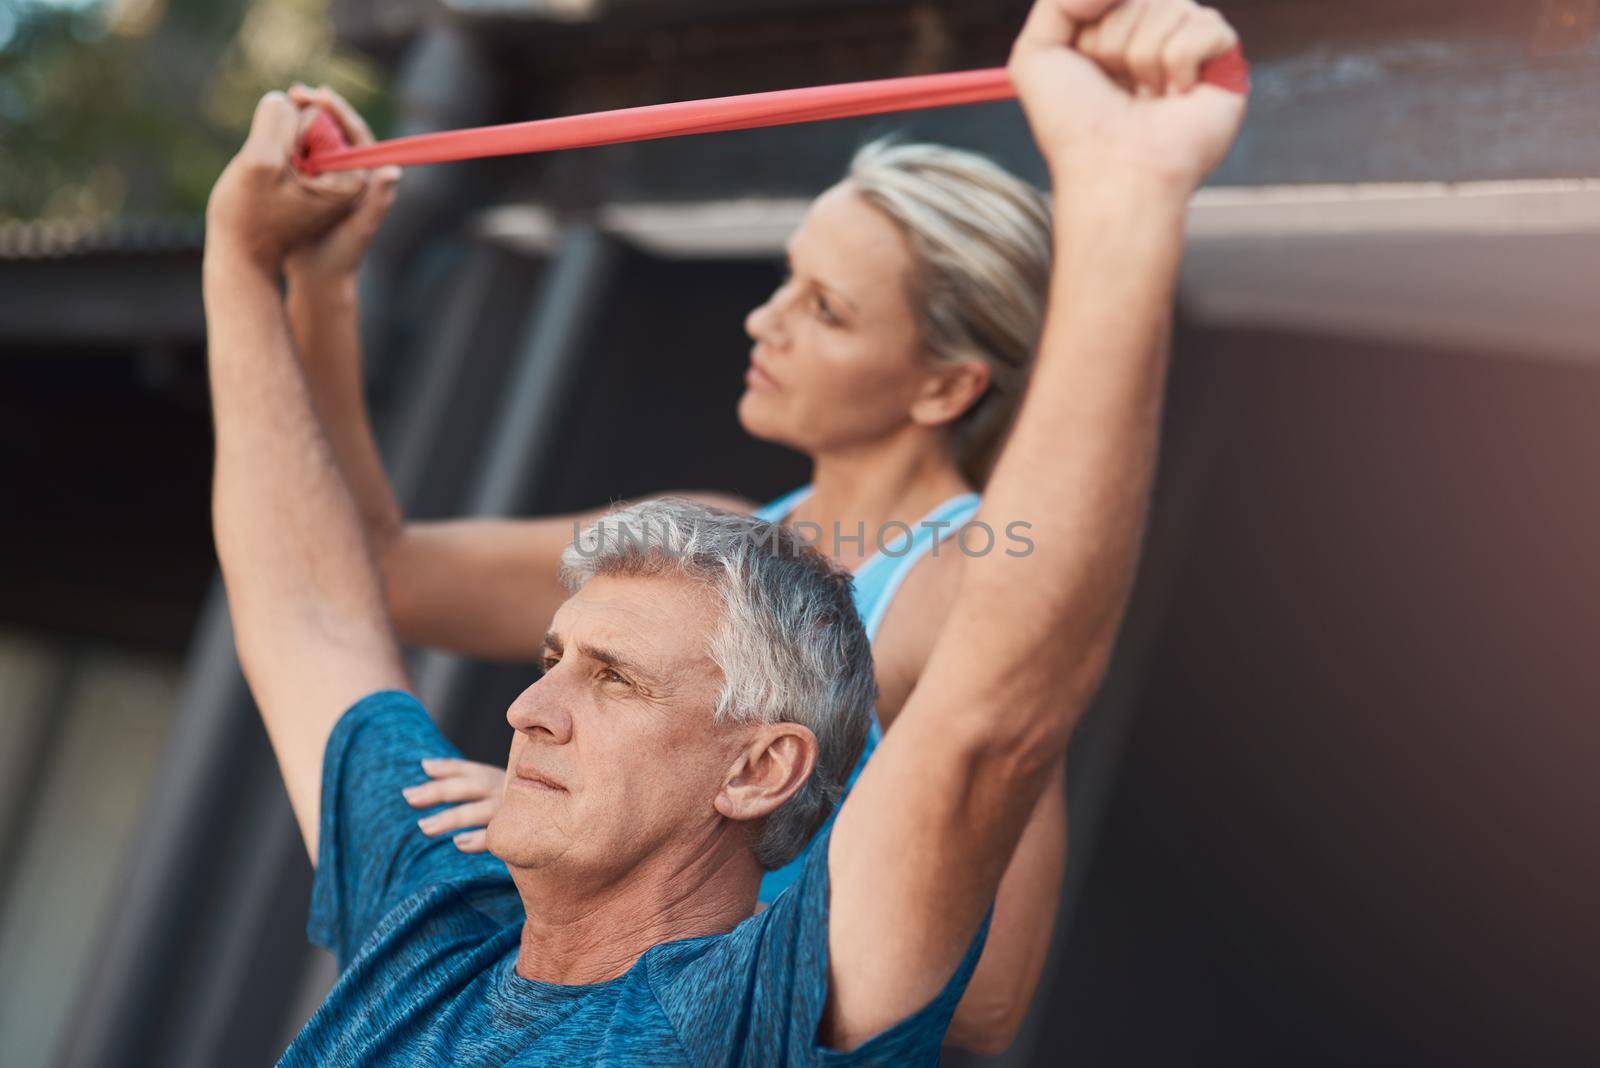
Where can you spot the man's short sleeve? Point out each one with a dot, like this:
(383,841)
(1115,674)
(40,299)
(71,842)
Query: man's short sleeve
(370,852)
(767,983)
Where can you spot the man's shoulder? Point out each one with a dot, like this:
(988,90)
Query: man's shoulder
(394,716)
(433,955)
(371,855)
(684,974)
(448,916)
(757,980)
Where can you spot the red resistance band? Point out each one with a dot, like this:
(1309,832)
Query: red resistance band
(325,148)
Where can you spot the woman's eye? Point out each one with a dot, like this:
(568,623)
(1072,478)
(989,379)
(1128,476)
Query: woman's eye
(824,310)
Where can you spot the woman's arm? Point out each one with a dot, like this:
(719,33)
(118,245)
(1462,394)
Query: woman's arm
(1002,988)
(487,587)
(483,587)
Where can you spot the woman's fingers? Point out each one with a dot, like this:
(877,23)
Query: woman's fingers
(448,791)
(472,841)
(452,781)
(458,818)
(474,791)
(437,767)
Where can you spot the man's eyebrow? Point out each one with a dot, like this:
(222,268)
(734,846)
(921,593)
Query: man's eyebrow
(788,255)
(609,657)
(614,659)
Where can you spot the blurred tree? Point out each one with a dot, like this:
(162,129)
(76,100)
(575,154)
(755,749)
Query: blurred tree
(132,107)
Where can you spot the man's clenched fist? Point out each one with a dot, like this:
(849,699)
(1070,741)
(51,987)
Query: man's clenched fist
(1111,86)
(261,208)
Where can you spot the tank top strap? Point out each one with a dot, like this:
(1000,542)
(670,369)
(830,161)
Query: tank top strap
(776,511)
(890,569)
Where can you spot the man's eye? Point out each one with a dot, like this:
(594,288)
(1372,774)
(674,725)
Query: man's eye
(825,313)
(549,663)
(611,676)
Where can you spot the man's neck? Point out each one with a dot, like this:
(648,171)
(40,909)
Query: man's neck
(576,936)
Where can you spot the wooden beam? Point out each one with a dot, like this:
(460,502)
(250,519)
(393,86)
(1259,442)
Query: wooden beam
(102,298)
(1496,267)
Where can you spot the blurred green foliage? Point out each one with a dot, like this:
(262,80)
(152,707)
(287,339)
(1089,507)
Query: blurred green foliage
(133,107)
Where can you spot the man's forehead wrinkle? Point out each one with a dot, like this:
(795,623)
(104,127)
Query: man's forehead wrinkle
(639,620)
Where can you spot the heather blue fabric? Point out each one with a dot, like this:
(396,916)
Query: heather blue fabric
(426,938)
(874,585)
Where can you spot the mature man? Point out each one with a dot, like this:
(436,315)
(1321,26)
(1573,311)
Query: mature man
(706,689)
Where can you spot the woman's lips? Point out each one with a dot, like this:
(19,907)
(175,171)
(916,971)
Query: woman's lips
(756,378)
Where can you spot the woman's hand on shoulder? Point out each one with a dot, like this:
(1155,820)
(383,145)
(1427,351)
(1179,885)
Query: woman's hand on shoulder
(473,792)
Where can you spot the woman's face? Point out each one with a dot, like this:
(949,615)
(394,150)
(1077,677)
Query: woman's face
(837,362)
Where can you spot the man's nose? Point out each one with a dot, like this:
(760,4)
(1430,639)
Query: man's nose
(540,711)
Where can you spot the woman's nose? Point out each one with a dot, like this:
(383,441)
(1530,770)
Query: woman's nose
(765,321)
(758,322)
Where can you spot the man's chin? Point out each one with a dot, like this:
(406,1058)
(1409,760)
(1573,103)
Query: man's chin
(515,840)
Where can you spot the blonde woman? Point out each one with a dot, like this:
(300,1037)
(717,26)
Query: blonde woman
(893,355)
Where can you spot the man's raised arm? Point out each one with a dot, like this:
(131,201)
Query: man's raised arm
(308,612)
(1111,93)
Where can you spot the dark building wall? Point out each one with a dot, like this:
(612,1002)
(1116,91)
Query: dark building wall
(1352,822)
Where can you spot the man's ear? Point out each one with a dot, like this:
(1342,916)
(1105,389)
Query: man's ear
(949,391)
(772,766)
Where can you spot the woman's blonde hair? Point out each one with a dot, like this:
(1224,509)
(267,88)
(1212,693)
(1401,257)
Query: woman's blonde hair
(980,240)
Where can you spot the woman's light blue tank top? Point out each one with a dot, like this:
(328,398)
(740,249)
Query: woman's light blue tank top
(875,583)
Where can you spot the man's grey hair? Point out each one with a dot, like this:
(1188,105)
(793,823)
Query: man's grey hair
(790,643)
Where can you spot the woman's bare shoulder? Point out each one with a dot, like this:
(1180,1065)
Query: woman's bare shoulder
(912,624)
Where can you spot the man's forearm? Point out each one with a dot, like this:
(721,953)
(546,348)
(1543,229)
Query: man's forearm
(947,795)
(286,522)
(309,618)
(324,318)
(303,589)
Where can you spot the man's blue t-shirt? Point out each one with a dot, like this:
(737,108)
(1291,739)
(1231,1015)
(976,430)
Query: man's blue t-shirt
(427,937)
